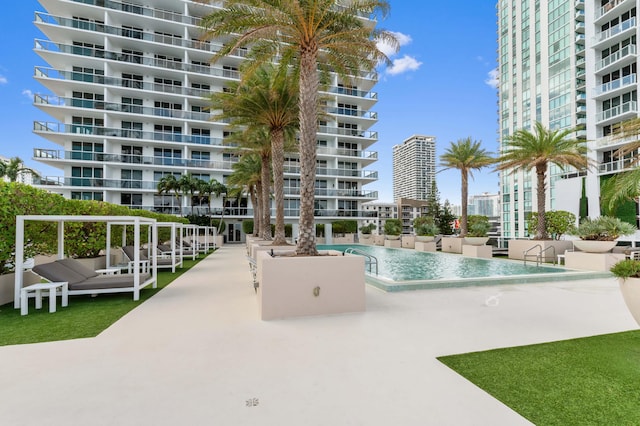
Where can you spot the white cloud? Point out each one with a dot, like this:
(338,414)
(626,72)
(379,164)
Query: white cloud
(492,79)
(388,50)
(404,64)
(399,65)
(3,79)
(28,93)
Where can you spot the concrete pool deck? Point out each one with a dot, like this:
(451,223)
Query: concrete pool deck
(197,354)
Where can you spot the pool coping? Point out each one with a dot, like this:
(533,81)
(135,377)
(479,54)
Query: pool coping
(396,286)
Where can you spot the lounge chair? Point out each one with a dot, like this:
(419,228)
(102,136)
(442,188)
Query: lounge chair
(161,261)
(83,280)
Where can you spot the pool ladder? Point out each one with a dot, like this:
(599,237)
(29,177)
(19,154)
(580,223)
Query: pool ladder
(369,259)
(538,255)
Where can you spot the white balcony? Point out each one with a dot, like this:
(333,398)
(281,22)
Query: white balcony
(628,51)
(614,85)
(615,113)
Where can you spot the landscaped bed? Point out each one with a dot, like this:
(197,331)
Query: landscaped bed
(85,316)
(591,381)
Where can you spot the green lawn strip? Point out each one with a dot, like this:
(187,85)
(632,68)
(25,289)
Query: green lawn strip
(85,316)
(588,381)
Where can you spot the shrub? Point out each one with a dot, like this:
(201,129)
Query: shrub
(627,268)
(425,226)
(393,227)
(603,228)
(368,229)
(247,226)
(478,226)
(344,226)
(559,222)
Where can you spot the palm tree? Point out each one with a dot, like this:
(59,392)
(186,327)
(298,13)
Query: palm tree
(313,36)
(267,99)
(13,168)
(465,155)
(247,176)
(524,150)
(168,184)
(188,185)
(256,140)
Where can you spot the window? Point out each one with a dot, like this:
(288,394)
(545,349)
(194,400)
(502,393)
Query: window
(87,100)
(86,125)
(131,129)
(167,133)
(169,157)
(131,154)
(86,151)
(86,176)
(132,32)
(132,80)
(87,196)
(131,178)
(201,136)
(131,200)
(132,105)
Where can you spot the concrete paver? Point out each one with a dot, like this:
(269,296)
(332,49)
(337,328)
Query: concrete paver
(196,353)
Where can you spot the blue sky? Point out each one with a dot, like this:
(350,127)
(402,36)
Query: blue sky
(440,85)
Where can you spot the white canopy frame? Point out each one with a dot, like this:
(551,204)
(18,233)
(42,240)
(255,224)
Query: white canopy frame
(176,253)
(190,231)
(137,223)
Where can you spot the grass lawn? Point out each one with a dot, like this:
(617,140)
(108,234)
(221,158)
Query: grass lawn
(85,316)
(589,381)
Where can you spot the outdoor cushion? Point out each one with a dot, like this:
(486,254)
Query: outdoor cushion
(129,251)
(107,281)
(78,267)
(56,272)
(164,248)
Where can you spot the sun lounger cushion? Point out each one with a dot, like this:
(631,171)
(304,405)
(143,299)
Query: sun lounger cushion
(78,267)
(164,248)
(107,281)
(57,272)
(130,252)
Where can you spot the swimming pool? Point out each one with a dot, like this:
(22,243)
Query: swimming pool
(405,269)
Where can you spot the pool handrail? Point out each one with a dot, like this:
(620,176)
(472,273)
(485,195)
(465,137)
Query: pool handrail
(370,260)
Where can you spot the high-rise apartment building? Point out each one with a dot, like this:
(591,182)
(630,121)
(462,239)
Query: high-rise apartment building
(542,77)
(484,204)
(127,83)
(414,167)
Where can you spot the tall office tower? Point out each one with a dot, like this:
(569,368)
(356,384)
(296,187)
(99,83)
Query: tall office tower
(128,82)
(485,204)
(541,59)
(414,167)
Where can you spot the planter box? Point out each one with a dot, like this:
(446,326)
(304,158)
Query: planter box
(424,238)
(428,246)
(255,248)
(593,246)
(8,283)
(393,243)
(630,289)
(309,285)
(378,240)
(452,245)
(591,261)
(475,241)
(408,241)
(485,252)
(347,239)
(366,239)
(518,247)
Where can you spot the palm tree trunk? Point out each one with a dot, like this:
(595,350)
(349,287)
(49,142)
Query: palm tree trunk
(255,194)
(265,232)
(309,85)
(464,190)
(277,162)
(541,231)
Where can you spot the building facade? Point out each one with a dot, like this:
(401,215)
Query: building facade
(127,85)
(484,204)
(378,213)
(542,77)
(414,167)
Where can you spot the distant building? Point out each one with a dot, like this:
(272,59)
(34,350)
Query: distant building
(408,210)
(484,204)
(25,176)
(414,167)
(379,213)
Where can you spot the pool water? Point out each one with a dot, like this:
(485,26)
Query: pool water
(415,269)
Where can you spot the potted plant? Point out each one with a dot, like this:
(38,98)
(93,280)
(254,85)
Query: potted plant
(599,235)
(425,228)
(628,273)
(477,234)
(366,230)
(393,229)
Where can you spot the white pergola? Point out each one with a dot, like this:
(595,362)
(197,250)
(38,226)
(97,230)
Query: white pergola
(135,221)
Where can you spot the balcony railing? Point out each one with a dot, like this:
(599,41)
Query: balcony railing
(47,127)
(342,193)
(617,29)
(348,132)
(629,50)
(41,72)
(144,10)
(323,171)
(56,101)
(127,32)
(49,46)
(627,80)
(627,107)
(371,155)
(102,157)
